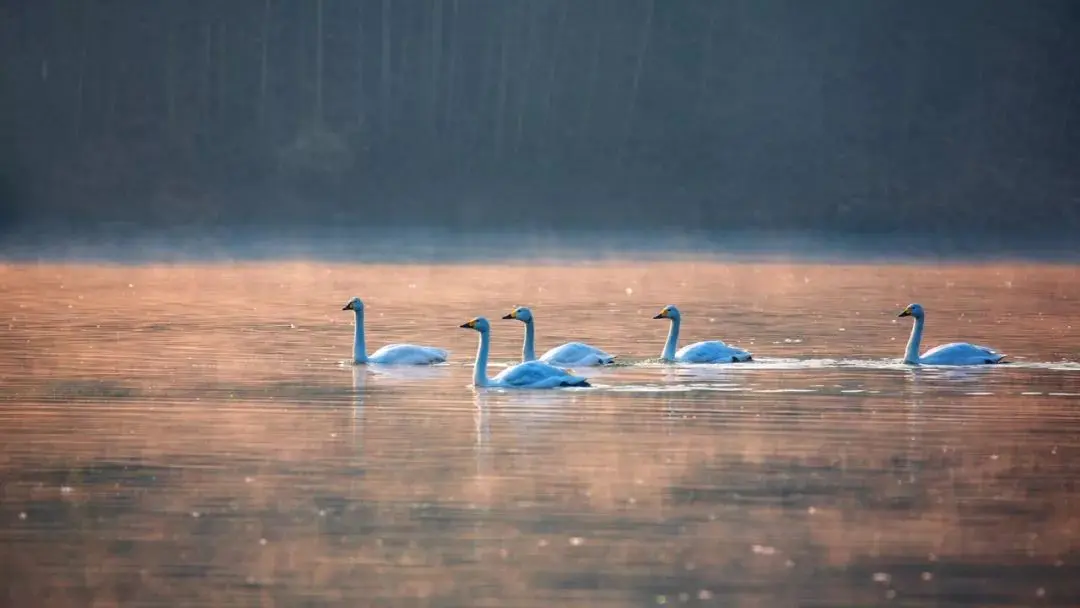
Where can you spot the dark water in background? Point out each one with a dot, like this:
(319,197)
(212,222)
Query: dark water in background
(188,435)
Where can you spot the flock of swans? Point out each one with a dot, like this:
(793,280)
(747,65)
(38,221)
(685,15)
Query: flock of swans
(552,369)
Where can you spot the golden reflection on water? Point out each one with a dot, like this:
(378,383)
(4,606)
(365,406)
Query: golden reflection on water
(188,435)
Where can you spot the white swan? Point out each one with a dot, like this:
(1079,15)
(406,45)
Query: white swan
(571,354)
(954,353)
(530,374)
(712,351)
(391,354)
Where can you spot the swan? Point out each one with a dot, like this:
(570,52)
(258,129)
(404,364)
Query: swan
(571,354)
(712,351)
(391,354)
(955,353)
(530,374)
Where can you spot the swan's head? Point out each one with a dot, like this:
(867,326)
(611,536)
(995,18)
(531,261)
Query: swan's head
(521,313)
(480,324)
(668,312)
(912,310)
(354,304)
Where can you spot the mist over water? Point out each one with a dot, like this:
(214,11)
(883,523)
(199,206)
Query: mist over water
(433,245)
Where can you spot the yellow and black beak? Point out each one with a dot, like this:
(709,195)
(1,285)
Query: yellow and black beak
(468,325)
(905,313)
(347,306)
(661,315)
(510,315)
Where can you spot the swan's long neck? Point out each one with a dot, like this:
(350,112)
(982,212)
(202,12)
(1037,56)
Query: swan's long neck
(359,346)
(479,376)
(528,351)
(911,355)
(672,340)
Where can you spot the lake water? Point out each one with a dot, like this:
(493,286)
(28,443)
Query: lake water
(193,435)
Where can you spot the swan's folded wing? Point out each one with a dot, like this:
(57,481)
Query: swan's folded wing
(408,354)
(529,373)
(438,354)
(711,351)
(576,353)
(960,353)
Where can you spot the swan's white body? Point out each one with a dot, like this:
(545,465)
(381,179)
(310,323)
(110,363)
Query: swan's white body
(711,351)
(406,354)
(571,354)
(577,354)
(534,374)
(530,374)
(954,353)
(391,354)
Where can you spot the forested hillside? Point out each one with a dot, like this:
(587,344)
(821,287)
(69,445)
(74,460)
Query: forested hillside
(836,115)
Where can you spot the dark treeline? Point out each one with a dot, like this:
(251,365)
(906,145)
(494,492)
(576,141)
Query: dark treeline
(840,115)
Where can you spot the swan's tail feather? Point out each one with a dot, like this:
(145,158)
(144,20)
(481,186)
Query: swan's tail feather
(576,382)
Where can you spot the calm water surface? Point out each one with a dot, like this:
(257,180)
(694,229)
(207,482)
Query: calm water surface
(185,435)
